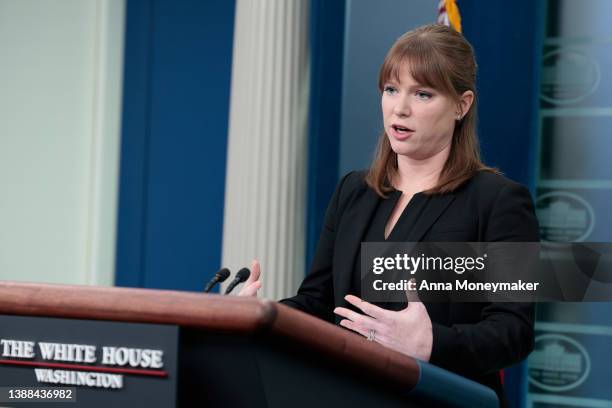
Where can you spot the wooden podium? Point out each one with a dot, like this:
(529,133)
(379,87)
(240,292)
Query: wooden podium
(211,350)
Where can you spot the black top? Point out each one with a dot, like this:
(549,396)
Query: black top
(406,221)
(399,233)
(475,340)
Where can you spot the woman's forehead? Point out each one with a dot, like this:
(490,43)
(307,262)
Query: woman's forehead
(404,72)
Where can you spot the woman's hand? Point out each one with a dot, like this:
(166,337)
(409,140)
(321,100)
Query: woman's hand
(253,284)
(408,331)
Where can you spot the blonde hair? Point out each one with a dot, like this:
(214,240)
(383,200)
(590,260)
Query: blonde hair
(440,58)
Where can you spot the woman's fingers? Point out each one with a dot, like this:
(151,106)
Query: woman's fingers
(252,284)
(411,294)
(250,289)
(367,308)
(414,301)
(365,331)
(363,321)
(255,272)
(354,327)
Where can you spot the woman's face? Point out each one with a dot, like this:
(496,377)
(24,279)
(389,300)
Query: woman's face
(419,121)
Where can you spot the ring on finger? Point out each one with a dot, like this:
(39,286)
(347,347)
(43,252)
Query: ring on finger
(371,335)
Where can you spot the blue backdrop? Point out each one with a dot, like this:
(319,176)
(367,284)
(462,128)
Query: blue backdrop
(174,140)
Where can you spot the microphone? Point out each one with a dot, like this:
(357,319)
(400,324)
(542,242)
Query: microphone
(220,276)
(241,276)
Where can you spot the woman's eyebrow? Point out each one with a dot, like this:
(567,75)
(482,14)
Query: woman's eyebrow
(419,85)
(415,86)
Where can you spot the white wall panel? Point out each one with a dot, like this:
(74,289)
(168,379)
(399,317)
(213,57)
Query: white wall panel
(60,91)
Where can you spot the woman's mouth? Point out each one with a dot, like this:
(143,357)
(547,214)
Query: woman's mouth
(400,132)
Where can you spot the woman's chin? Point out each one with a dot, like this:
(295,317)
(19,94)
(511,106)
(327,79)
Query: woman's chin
(412,154)
(402,149)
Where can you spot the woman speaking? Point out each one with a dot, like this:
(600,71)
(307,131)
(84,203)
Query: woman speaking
(427,184)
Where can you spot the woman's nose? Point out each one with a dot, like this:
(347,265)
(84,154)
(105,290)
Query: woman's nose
(402,108)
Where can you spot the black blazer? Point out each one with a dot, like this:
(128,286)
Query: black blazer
(475,340)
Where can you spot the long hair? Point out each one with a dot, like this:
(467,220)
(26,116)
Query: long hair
(440,58)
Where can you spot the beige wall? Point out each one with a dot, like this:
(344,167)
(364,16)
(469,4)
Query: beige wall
(60,80)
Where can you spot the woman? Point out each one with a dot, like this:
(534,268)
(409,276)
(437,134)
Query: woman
(427,183)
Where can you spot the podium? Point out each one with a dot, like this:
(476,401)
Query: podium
(125,347)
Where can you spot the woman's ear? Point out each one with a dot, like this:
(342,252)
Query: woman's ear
(465,102)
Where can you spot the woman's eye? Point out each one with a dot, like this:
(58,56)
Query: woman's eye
(389,89)
(423,95)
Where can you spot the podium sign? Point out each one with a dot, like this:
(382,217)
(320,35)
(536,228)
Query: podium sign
(103,363)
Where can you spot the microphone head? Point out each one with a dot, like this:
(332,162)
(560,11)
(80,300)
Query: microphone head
(223,274)
(243,274)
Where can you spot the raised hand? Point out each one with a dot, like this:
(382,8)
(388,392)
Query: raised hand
(408,331)
(253,284)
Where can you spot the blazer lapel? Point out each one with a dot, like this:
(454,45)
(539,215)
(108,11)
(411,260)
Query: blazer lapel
(434,208)
(351,232)
(353,227)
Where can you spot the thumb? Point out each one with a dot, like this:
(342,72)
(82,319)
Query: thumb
(253,283)
(255,271)
(412,295)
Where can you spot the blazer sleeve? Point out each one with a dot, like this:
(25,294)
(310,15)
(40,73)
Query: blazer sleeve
(504,335)
(316,293)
